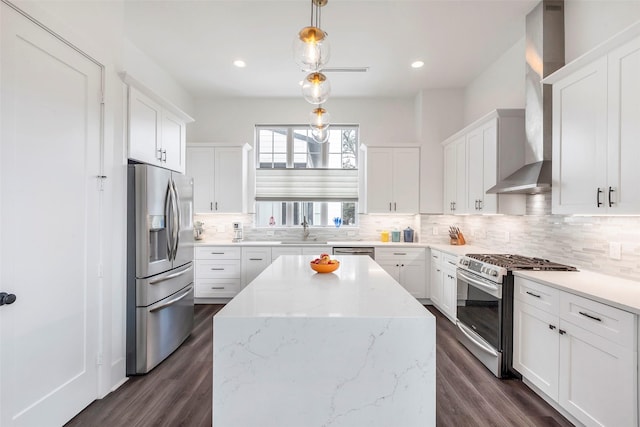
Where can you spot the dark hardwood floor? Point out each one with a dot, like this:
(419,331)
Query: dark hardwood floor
(178,391)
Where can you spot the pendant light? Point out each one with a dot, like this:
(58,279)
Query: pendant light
(319,124)
(316,88)
(311,47)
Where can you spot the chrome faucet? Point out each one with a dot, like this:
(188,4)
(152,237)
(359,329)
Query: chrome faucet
(305,227)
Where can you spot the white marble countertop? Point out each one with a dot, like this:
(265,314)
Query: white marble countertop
(359,288)
(611,290)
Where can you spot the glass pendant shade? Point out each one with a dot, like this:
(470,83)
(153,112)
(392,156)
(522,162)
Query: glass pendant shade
(311,49)
(319,118)
(320,135)
(316,88)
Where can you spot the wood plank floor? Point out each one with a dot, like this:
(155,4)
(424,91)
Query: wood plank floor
(178,391)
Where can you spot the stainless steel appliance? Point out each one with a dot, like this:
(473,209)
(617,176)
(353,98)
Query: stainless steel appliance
(485,305)
(159,265)
(355,250)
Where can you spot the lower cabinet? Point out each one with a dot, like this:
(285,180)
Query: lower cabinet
(254,261)
(218,271)
(579,352)
(444,285)
(407,266)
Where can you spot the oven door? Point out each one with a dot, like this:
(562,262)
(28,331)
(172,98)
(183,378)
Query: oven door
(479,315)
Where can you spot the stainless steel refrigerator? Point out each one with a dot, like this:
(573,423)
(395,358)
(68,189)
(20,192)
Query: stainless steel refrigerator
(159,265)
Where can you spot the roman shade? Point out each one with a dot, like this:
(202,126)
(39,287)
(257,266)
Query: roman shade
(307,185)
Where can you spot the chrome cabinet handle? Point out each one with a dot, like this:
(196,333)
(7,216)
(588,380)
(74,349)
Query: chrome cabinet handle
(598,202)
(159,154)
(164,156)
(217,253)
(217,269)
(389,206)
(217,287)
(611,190)
(480,202)
(255,259)
(210,206)
(590,316)
(532,294)
(216,205)
(395,207)
(399,253)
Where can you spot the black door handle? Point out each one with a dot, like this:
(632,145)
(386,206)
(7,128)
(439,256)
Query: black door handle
(598,202)
(611,190)
(6,298)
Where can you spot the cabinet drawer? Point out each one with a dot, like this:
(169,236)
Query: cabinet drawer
(436,256)
(218,252)
(608,322)
(400,254)
(218,269)
(217,288)
(449,260)
(540,296)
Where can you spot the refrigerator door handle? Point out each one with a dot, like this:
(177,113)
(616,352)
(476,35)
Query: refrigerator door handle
(168,209)
(171,301)
(171,276)
(178,217)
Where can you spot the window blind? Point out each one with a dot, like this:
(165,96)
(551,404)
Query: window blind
(307,185)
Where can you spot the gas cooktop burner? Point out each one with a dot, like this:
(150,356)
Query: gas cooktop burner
(519,262)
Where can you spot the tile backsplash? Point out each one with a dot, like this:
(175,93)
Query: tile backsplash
(580,241)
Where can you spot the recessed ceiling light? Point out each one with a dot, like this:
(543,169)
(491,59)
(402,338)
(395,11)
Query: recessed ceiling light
(239,63)
(417,64)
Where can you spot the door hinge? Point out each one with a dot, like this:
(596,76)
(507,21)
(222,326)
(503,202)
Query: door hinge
(99,359)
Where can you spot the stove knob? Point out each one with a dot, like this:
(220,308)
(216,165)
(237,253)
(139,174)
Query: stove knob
(494,273)
(464,262)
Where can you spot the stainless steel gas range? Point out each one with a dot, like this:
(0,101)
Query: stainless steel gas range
(485,305)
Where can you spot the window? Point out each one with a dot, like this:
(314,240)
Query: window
(297,177)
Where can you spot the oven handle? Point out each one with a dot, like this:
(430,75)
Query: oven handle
(490,287)
(469,334)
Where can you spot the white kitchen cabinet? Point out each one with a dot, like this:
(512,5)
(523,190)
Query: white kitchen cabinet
(392,179)
(218,271)
(444,284)
(580,353)
(407,266)
(219,175)
(455,177)
(595,134)
(156,131)
(254,261)
(479,156)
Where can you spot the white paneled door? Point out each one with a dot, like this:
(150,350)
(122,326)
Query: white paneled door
(50,159)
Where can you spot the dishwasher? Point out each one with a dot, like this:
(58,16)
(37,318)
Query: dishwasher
(355,250)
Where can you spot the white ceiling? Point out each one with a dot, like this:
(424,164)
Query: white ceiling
(197,41)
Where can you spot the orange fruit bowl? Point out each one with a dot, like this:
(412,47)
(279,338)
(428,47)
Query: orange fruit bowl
(324,268)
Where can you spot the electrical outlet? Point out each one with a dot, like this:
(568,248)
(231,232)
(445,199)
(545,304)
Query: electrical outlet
(615,250)
(435,231)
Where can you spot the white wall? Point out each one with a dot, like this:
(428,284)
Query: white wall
(589,23)
(383,121)
(501,85)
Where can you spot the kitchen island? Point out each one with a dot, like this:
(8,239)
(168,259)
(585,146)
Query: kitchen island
(300,349)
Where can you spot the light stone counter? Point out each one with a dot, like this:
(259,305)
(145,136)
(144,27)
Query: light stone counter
(349,348)
(610,290)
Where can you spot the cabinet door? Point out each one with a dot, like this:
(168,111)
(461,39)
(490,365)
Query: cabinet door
(173,142)
(475,154)
(436,285)
(536,347)
(228,180)
(597,378)
(254,261)
(216,288)
(413,278)
(449,178)
(624,129)
(580,141)
(200,166)
(461,206)
(145,117)
(449,293)
(379,180)
(406,180)
(391,267)
(489,202)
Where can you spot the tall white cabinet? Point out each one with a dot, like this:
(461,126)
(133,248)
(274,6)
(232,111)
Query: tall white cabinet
(480,155)
(219,176)
(596,130)
(156,128)
(393,179)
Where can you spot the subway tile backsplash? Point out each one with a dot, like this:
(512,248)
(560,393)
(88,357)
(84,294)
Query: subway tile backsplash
(580,241)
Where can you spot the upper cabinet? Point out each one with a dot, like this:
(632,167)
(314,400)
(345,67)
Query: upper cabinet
(219,177)
(480,155)
(393,179)
(156,129)
(596,129)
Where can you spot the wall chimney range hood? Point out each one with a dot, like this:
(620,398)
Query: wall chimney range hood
(544,37)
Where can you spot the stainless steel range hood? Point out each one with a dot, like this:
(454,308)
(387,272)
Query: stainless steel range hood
(544,34)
